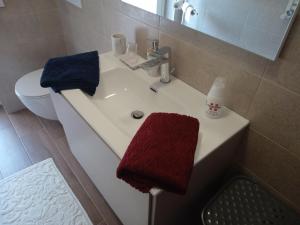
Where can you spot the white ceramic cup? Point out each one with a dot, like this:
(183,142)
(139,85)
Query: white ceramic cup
(118,42)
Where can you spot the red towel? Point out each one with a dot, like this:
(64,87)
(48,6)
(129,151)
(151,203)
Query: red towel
(161,154)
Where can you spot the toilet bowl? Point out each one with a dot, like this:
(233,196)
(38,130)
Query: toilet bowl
(36,98)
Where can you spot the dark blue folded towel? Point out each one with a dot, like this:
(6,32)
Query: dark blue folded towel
(79,71)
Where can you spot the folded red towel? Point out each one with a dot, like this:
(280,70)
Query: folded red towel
(161,154)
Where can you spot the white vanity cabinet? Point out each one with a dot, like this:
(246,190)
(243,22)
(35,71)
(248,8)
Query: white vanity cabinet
(131,206)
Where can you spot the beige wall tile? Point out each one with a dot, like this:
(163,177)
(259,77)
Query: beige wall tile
(16,7)
(105,44)
(23,27)
(275,112)
(199,68)
(274,164)
(49,22)
(120,23)
(192,65)
(140,15)
(9,54)
(55,46)
(91,15)
(183,33)
(34,55)
(30,35)
(241,87)
(113,4)
(285,73)
(42,5)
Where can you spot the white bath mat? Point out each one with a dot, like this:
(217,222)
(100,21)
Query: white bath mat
(39,195)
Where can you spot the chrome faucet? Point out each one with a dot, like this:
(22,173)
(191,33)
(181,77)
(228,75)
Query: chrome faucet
(159,56)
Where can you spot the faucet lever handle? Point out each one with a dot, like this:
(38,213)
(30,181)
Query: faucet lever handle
(155,44)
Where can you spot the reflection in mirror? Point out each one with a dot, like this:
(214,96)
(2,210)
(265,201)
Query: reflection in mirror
(259,26)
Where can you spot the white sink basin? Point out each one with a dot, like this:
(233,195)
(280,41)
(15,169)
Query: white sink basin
(121,92)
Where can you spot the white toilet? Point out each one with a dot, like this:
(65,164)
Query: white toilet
(36,98)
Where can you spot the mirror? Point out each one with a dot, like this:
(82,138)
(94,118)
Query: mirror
(259,26)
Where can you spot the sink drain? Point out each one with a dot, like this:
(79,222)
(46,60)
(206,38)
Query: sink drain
(137,114)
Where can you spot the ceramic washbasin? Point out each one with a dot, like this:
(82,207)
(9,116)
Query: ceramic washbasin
(121,92)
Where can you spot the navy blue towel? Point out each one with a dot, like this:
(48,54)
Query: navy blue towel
(79,71)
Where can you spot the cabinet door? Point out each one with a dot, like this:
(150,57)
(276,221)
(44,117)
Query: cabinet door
(100,163)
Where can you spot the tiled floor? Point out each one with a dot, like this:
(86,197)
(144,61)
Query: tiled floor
(26,139)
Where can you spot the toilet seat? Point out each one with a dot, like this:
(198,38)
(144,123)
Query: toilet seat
(29,85)
(36,98)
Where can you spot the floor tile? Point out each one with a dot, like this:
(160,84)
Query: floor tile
(4,121)
(102,223)
(13,157)
(24,122)
(37,145)
(54,128)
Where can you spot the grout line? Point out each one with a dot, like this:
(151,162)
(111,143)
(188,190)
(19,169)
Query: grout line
(272,82)
(43,126)
(275,143)
(266,67)
(26,150)
(20,139)
(253,97)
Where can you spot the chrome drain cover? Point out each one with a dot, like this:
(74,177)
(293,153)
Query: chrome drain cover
(137,114)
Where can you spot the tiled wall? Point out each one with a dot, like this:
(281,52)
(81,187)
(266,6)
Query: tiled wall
(30,33)
(268,93)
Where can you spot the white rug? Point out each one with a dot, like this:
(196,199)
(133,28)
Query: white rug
(39,195)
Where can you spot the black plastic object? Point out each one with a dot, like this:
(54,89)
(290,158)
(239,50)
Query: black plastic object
(244,202)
